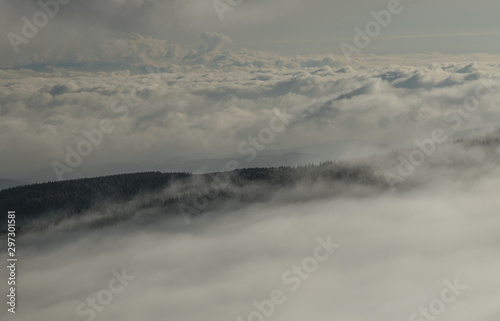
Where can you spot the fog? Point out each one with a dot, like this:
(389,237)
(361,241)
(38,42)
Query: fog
(290,26)
(351,191)
(197,109)
(395,254)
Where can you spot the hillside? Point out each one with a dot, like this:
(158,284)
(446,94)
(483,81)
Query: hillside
(106,200)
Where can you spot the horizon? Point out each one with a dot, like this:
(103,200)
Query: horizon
(263,160)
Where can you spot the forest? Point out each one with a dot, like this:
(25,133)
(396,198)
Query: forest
(171,192)
(101,201)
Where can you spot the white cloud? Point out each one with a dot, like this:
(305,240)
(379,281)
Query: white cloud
(200,109)
(395,254)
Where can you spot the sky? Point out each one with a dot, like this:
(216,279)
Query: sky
(102,87)
(284,26)
(93,87)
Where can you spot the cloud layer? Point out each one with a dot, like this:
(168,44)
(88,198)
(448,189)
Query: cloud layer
(167,105)
(312,26)
(395,256)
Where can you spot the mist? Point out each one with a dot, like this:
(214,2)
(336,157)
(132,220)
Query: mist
(250,160)
(394,254)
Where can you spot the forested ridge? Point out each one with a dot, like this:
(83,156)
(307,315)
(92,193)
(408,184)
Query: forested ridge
(101,201)
(171,192)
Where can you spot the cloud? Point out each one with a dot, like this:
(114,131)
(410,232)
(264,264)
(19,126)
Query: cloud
(212,44)
(182,110)
(395,254)
(285,26)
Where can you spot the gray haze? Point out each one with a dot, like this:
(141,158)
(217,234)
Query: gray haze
(292,26)
(396,251)
(395,254)
(196,88)
(196,110)
(172,85)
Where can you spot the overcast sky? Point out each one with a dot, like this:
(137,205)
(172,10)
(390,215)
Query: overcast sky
(216,82)
(267,85)
(285,26)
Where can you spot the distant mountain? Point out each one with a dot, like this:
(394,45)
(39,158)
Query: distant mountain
(99,201)
(469,133)
(75,66)
(7,183)
(45,204)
